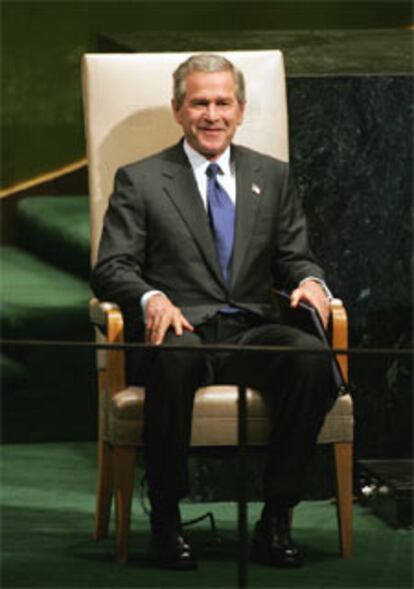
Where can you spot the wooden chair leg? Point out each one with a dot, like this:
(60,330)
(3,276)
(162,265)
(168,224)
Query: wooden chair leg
(104,490)
(344,483)
(124,466)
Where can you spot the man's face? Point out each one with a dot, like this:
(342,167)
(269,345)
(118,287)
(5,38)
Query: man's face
(210,112)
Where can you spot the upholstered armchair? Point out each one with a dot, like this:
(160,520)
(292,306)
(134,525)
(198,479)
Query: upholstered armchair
(127,116)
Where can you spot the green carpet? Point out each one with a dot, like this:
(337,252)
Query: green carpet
(47,516)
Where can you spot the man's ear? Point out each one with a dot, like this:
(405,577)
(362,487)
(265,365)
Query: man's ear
(176,111)
(241,114)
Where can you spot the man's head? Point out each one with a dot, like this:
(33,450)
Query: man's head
(209,102)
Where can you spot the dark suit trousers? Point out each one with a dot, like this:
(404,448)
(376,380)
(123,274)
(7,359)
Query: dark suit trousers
(298,389)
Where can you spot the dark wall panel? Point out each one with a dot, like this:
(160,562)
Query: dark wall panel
(43,42)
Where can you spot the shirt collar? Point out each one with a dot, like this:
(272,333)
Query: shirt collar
(200,163)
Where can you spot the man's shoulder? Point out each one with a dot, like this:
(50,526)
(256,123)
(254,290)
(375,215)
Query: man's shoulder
(154,160)
(241,151)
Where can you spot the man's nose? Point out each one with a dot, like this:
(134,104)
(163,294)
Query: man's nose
(211,112)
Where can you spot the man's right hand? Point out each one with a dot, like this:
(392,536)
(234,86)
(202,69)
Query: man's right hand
(161,314)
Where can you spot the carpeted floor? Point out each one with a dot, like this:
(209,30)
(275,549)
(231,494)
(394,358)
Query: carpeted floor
(47,519)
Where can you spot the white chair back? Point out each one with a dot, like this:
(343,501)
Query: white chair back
(128,114)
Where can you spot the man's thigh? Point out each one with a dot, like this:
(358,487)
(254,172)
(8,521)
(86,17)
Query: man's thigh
(300,352)
(186,341)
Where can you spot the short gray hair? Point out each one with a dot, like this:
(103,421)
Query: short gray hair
(209,63)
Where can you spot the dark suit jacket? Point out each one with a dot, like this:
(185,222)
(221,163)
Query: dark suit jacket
(157,235)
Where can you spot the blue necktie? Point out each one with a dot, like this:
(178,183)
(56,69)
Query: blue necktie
(222,215)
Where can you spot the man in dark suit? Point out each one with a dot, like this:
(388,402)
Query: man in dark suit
(195,239)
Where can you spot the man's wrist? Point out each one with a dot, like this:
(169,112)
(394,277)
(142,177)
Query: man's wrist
(146,297)
(321,282)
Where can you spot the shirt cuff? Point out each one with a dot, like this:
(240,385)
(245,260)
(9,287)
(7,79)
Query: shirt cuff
(321,282)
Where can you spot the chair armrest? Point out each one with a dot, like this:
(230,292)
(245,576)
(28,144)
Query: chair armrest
(108,317)
(340,333)
(99,311)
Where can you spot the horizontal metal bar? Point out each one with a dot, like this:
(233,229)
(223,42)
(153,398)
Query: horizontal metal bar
(206,347)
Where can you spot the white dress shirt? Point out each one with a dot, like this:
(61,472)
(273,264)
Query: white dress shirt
(199,165)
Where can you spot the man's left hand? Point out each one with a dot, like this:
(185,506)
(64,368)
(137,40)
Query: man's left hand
(311,292)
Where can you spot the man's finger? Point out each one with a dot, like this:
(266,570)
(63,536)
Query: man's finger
(149,327)
(324,311)
(177,324)
(186,324)
(159,333)
(295,298)
(154,328)
(161,318)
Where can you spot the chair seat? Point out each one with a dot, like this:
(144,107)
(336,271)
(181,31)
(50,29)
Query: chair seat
(215,418)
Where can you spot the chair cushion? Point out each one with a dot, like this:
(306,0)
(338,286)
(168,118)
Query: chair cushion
(215,418)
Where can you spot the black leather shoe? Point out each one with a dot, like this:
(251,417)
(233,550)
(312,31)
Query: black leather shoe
(169,550)
(272,544)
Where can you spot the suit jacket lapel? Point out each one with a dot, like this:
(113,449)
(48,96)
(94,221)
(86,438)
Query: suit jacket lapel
(249,186)
(181,188)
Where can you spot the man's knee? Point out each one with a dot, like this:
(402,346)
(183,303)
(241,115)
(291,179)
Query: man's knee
(173,362)
(309,353)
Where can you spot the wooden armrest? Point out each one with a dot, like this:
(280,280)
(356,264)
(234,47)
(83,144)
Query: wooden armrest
(108,317)
(340,333)
(99,311)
